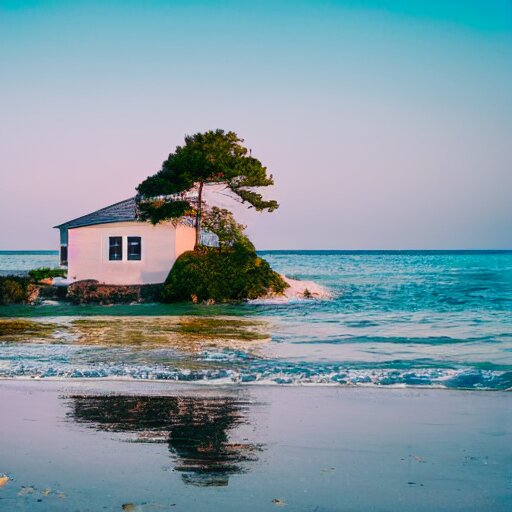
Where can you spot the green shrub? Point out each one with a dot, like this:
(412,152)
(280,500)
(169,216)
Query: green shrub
(222,223)
(14,290)
(38,274)
(221,275)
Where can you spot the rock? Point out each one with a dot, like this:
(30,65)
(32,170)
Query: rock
(32,293)
(91,291)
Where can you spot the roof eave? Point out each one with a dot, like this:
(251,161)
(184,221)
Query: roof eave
(65,225)
(74,223)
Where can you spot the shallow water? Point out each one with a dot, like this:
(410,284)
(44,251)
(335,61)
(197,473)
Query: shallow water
(414,318)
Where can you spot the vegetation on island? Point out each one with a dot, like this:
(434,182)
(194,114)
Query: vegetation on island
(211,274)
(232,271)
(42,273)
(15,290)
(26,289)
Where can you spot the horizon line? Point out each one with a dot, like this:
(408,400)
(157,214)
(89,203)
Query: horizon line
(313,250)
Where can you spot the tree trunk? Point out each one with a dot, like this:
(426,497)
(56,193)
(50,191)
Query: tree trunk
(199,212)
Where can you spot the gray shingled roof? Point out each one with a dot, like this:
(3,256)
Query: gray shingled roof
(119,212)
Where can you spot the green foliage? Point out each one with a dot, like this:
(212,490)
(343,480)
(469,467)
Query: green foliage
(233,271)
(221,222)
(221,275)
(206,158)
(41,273)
(158,210)
(14,290)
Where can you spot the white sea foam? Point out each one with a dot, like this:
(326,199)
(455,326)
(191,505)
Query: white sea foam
(297,290)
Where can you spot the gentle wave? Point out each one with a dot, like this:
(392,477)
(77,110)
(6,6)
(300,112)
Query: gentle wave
(413,340)
(238,367)
(435,377)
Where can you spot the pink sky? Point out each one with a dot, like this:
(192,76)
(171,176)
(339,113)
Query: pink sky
(383,130)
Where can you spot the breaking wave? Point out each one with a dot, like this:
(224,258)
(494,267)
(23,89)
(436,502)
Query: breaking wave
(239,368)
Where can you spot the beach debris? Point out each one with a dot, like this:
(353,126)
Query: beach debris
(3,479)
(24,491)
(279,502)
(146,507)
(46,492)
(417,458)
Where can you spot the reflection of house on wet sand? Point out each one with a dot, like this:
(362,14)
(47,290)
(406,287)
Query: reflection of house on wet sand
(196,429)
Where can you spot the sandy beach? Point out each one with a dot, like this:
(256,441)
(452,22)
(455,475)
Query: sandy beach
(106,445)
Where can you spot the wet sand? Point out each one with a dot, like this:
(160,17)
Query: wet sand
(150,446)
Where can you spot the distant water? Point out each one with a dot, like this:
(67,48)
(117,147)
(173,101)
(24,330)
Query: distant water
(20,262)
(397,318)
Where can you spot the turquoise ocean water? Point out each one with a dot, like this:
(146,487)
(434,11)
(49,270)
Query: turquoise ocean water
(396,318)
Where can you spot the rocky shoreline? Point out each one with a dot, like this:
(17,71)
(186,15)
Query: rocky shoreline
(17,289)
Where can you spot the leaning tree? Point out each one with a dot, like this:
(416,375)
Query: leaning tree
(214,157)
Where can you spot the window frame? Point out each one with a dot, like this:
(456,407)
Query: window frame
(110,247)
(137,256)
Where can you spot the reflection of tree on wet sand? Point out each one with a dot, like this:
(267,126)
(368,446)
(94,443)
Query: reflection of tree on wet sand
(196,429)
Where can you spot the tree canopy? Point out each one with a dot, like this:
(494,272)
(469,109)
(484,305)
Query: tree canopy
(213,157)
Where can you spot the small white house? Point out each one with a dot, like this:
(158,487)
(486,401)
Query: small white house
(113,246)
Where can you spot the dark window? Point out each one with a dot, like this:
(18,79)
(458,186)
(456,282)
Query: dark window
(134,248)
(63,254)
(115,248)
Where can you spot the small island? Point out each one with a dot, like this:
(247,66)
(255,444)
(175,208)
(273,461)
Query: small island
(168,243)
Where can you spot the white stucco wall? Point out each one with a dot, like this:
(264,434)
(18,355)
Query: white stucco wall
(88,250)
(185,239)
